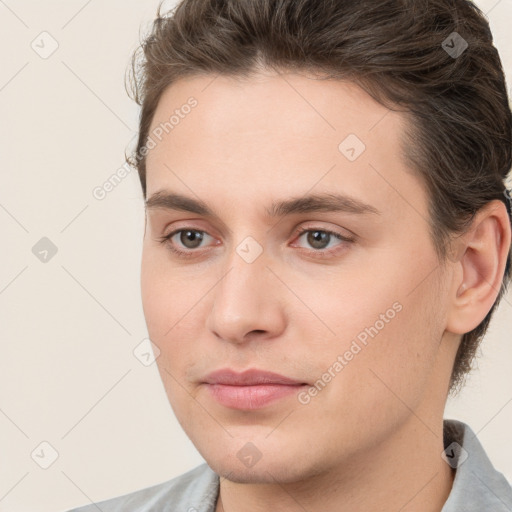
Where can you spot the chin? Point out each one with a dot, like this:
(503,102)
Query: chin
(260,474)
(269,469)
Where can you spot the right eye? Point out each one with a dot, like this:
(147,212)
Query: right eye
(189,238)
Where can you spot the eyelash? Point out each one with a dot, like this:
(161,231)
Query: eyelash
(322,253)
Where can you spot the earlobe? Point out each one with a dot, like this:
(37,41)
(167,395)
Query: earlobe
(481,266)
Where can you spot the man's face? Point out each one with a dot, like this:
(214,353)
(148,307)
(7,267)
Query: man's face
(345,305)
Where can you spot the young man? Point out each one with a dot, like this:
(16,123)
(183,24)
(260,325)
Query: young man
(327,236)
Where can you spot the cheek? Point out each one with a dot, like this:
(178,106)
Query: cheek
(377,382)
(392,356)
(154,302)
(164,296)
(165,307)
(171,305)
(387,332)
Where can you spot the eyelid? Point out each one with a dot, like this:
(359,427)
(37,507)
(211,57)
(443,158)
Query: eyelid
(333,231)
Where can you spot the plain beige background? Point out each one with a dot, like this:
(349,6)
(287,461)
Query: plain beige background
(70,325)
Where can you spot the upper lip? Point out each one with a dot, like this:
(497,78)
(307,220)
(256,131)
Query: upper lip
(252,377)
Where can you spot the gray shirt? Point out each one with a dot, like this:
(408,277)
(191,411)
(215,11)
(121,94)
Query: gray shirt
(477,486)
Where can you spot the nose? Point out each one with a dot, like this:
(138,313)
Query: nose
(247,302)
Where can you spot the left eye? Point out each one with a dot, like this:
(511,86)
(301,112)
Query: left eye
(320,238)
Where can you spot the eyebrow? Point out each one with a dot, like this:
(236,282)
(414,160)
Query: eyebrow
(305,204)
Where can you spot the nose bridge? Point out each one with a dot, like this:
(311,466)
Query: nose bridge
(246,266)
(242,302)
(241,289)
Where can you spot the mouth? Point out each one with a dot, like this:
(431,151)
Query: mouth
(251,389)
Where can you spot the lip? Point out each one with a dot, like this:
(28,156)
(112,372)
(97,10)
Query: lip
(251,389)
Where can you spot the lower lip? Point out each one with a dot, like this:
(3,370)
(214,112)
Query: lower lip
(251,397)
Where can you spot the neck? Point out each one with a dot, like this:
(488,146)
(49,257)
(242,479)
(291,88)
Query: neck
(405,473)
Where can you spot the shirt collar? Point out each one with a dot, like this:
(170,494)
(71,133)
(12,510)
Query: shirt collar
(477,486)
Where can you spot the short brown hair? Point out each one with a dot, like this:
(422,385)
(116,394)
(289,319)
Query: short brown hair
(460,138)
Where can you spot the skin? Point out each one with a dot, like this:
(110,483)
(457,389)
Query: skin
(371,439)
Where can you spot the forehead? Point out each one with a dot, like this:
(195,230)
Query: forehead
(289,132)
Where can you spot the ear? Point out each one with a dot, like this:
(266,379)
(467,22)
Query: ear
(479,269)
